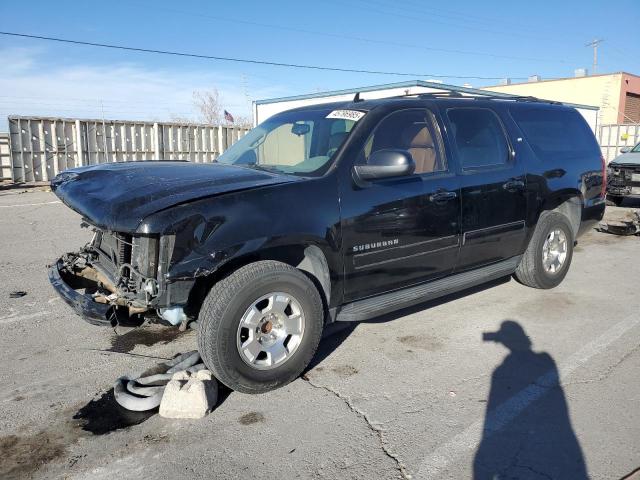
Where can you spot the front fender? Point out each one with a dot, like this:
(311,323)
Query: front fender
(212,233)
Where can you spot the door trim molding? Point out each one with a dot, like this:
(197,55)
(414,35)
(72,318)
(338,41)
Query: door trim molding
(382,262)
(414,244)
(360,256)
(503,227)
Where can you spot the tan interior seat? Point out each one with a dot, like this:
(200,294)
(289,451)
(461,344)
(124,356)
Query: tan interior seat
(418,142)
(335,140)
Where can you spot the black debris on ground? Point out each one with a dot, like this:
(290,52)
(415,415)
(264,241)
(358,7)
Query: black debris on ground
(104,415)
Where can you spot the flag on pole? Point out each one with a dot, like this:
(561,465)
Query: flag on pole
(228,117)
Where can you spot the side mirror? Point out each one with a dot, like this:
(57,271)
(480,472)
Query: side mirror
(385,164)
(625,149)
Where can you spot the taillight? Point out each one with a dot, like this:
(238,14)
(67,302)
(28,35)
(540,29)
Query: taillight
(603,191)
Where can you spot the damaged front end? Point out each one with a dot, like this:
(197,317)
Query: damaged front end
(118,279)
(623,179)
(139,212)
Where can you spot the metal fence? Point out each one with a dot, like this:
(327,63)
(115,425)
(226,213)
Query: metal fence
(37,148)
(40,148)
(5,157)
(613,137)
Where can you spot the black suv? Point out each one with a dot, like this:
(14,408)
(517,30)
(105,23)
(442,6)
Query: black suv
(334,212)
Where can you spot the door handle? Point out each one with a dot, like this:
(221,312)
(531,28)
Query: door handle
(442,197)
(513,185)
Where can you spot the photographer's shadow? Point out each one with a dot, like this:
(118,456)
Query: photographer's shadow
(527,431)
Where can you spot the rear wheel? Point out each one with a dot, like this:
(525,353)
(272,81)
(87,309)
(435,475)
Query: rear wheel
(547,259)
(260,326)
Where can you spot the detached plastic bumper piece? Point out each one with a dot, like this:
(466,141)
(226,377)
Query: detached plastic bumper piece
(84,305)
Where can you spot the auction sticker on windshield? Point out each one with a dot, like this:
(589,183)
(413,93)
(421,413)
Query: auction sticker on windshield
(346,115)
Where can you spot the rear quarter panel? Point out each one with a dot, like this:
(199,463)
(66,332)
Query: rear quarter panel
(552,181)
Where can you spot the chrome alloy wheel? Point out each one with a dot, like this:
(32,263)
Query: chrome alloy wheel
(270,330)
(554,251)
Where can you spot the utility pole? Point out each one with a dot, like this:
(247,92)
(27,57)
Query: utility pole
(245,87)
(594,44)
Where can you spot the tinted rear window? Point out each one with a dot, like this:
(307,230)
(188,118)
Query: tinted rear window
(556,134)
(479,137)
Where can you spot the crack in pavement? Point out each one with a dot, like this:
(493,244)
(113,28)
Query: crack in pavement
(608,371)
(516,464)
(533,470)
(372,426)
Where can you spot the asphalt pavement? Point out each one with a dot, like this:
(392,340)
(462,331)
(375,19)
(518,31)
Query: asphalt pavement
(526,383)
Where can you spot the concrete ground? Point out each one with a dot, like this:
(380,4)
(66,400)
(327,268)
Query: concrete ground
(404,396)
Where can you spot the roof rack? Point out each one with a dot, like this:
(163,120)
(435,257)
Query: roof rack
(439,90)
(451,93)
(447,93)
(529,98)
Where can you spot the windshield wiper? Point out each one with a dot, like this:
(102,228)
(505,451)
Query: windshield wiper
(263,167)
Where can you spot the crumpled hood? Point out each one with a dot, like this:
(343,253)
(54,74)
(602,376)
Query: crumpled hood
(118,196)
(630,158)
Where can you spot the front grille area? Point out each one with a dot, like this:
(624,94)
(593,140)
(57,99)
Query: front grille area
(114,250)
(616,180)
(625,176)
(116,246)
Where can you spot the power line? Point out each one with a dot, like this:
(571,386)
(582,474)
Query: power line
(359,38)
(245,60)
(410,14)
(456,16)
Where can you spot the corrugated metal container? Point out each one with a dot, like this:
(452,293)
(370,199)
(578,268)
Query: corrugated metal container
(42,147)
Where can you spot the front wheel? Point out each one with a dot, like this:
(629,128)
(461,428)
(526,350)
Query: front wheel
(546,261)
(260,326)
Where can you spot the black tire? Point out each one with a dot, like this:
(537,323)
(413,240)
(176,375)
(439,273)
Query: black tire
(531,271)
(222,311)
(615,200)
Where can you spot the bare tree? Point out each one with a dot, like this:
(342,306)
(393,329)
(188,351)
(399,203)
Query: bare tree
(243,122)
(181,120)
(208,103)
(210,109)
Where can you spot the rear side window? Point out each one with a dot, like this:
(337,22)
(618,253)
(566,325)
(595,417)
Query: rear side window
(479,138)
(556,134)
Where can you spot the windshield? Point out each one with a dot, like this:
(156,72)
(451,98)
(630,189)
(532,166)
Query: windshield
(636,148)
(298,143)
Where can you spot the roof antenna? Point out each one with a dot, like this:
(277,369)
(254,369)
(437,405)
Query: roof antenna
(357,98)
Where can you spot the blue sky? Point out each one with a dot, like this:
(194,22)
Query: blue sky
(481,39)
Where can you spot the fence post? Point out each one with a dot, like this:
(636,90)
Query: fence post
(220,140)
(79,149)
(156,139)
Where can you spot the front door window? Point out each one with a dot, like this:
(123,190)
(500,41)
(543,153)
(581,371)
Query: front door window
(411,130)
